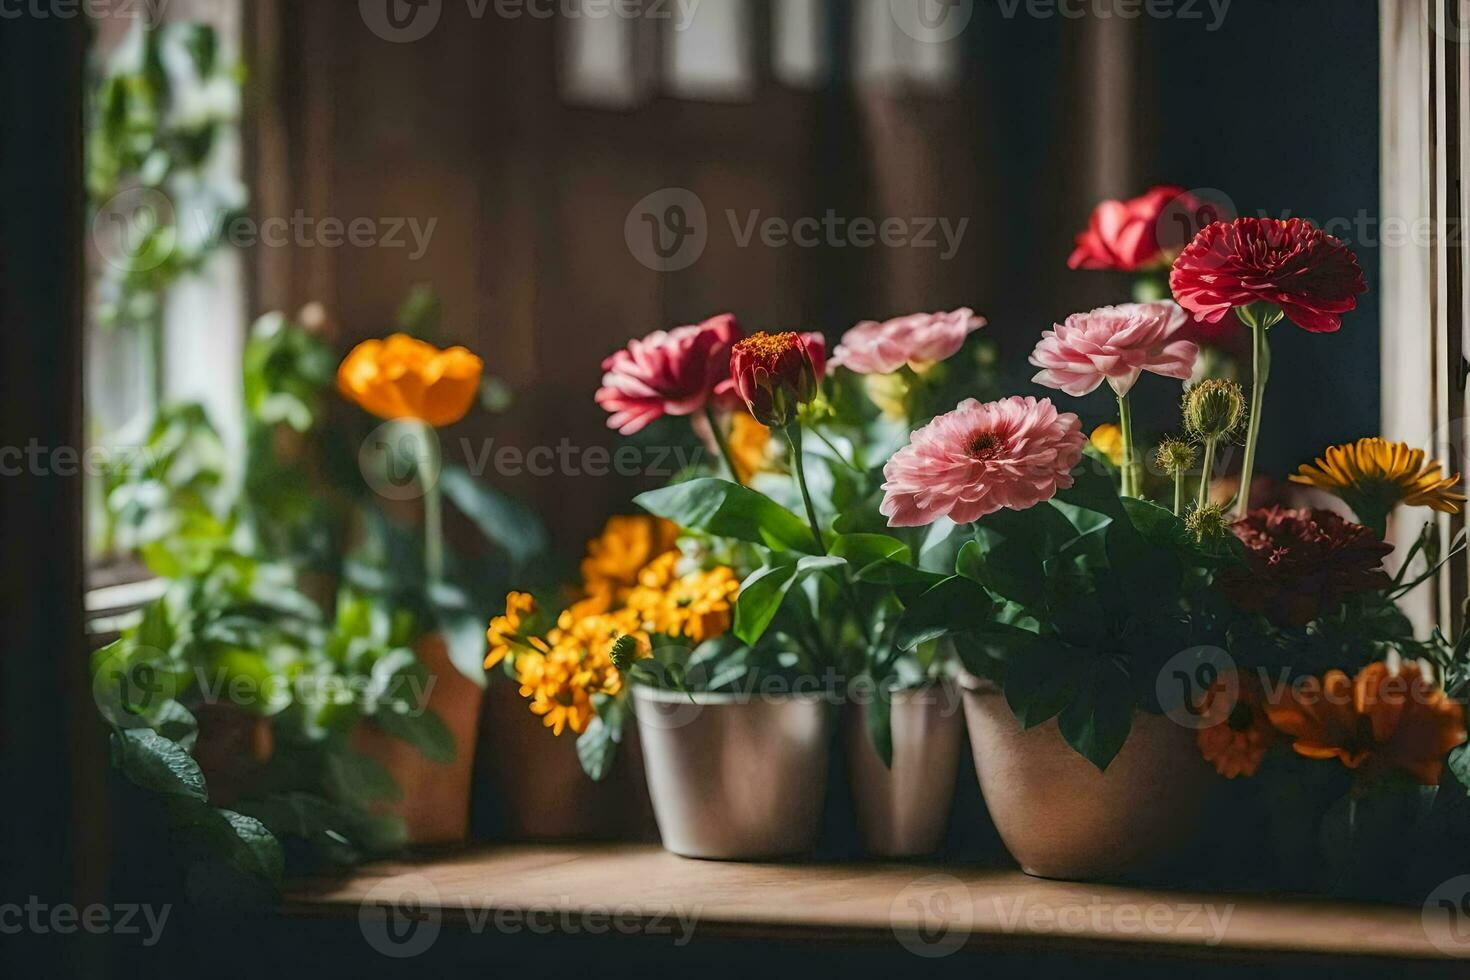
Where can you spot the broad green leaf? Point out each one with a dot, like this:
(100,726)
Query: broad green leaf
(158,764)
(954,605)
(1039,682)
(501,518)
(862,550)
(266,857)
(597,747)
(425,731)
(728,510)
(765,590)
(359,780)
(1099,718)
(879,716)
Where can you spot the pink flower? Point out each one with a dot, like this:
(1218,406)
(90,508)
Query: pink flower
(667,373)
(1013,453)
(918,340)
(1125,234)
(1116,344)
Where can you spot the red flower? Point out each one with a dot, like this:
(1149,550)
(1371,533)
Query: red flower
(1124,235)
(1312,276)
(666,373)
(1302,564)
(774,373)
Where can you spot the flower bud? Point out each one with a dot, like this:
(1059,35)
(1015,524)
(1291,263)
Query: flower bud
(774,374)
(1208,524)
(1175,456)
(1214,409)
(624,653)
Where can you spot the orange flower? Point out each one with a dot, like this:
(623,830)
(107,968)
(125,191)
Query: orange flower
(504,632)
(1391,718)
(750,445)
(405,378)
(625,546)
(1237,742)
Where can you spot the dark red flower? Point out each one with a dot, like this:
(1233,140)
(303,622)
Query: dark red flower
(1312,276)
(667,373)
(774,373)
(1302,564)
(1125,235)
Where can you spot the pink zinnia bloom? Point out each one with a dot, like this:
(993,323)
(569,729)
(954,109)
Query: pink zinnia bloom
(1013,453)
(1125,234)
(1114,344)
(918,340)
(667,373)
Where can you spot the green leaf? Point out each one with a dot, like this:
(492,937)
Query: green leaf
(862,550)
(266,858)
(1039,682)
(501,518)
(954,605)
(728,510)
(158,764)
(879,716)
(1099,718)
(765,590)
(986,651)
(425,731)
(359,780)
(597,747)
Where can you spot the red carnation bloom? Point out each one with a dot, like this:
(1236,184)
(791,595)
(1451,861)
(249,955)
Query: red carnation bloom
(774,373)
(667,373)
(1124,235)
(1312,276)
(1302,564)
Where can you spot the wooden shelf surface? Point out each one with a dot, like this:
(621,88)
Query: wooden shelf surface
(643,888)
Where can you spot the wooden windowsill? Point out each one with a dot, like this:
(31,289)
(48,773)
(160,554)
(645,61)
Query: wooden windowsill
(884,903)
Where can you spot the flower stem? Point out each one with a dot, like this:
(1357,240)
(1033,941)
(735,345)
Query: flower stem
(1130,455)
(714,427)
(1204,477)
(433,505)
(836,453)
(793,439)
(1179,493)
(1260,374)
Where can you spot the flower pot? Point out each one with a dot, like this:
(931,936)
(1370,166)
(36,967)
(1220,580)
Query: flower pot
(903,810)
(735,776)
(1060,817)
(531,786)
(435,807)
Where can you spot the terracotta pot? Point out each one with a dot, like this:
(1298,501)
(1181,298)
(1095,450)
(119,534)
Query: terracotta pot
(232,750)
(903,810)
(1060,817)
(735,777)
(530,784)
(436,798)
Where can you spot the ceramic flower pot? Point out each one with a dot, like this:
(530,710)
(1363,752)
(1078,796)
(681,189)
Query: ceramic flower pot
(530,785)
(1060,817)
(735,777)
(435,807)
(903,810)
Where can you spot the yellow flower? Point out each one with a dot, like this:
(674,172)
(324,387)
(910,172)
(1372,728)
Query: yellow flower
(405,378)
(750,445)
(1372,476)
(696,606)
(561,682)
(504,631)
(620,552)
(1108,440)
(890,392)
